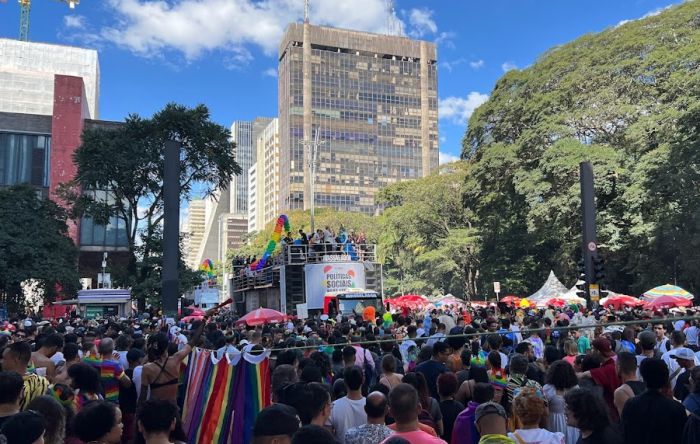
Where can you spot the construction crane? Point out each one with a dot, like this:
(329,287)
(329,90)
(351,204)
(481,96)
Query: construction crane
(26,6)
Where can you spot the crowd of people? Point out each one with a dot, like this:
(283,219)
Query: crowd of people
(459,376)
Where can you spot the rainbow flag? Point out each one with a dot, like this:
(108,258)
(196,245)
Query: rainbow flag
(222,400)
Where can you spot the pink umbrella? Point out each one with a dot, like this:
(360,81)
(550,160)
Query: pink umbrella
(668,302)
(196,311)
(191,318)
(262,316)
(557,302)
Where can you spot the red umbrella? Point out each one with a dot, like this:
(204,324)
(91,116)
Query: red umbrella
(620,300)
(190,318)
(557,302)
(511,300)
(668,302)
(262,316)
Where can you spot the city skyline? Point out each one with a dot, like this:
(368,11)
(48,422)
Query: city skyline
(239,64)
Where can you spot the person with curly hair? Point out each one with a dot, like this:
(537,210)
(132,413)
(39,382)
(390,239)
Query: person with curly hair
(560,378)
(530,409)
(588,413)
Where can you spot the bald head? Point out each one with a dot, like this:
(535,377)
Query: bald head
(375,406)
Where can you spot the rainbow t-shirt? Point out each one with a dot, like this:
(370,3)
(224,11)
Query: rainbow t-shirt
(110,374)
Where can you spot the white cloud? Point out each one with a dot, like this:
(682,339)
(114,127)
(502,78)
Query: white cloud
(459,109)
(508,66)
(656,11)
(74,21)
(477,64)
(194,27)
(422,21)
(270,72)
(447,158)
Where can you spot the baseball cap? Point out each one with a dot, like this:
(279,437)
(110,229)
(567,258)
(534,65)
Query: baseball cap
(682,353)
(603,346)
(489,408)
(277,419)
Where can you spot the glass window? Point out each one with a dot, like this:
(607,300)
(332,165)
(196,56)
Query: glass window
(24,158)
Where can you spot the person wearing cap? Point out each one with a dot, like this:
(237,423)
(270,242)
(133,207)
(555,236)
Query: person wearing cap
(24,428)
(605,375)
(275,424)
(685,361)
(677,342)
(491,423)
(404,407)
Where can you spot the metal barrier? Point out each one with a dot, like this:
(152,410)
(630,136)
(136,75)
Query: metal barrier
(303,254)
(245,279)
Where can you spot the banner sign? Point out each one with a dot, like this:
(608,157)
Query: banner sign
(321,279)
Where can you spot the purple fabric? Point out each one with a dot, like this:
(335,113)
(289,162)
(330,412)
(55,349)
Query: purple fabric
(464,430)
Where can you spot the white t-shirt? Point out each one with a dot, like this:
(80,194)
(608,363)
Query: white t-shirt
(346,414)
(122,359)
(538,436)
(672,365)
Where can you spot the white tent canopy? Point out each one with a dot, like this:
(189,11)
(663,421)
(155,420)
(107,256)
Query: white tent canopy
(552,288)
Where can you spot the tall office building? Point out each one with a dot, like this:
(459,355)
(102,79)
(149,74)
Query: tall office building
(194,229)
(373,101)
(264,187)
(244,134)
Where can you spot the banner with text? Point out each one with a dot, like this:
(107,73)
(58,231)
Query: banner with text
(325,278)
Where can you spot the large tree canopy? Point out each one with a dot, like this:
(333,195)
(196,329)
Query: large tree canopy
(34,245)
(627,100)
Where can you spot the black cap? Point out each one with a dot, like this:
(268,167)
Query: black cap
(277,419)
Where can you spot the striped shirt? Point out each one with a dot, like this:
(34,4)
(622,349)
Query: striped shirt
(34,386)
(110,374)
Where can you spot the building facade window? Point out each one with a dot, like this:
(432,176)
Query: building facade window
(25,158)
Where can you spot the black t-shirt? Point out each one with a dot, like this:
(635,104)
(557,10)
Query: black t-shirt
(652,418)
(450,409)
(127,396)
(682,388)
(431,370)
(637,386)
(4,419)
(608,435)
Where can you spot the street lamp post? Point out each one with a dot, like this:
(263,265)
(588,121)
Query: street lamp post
(313,156)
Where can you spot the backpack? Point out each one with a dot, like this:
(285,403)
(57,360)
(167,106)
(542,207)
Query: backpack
(369,371)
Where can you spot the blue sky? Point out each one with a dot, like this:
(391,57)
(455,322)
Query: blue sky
(223,52)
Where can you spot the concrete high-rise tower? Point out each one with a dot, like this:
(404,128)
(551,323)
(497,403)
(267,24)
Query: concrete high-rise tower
(373,100)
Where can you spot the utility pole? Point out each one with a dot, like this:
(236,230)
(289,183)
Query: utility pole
(170,289)
(312,162)
(589,245)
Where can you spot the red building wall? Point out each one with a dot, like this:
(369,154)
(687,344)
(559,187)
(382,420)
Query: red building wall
(69,113)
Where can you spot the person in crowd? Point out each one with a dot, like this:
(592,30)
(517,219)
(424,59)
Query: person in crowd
(439,335)
(677,342)
(122,345)
(662,344)
(160,377)
(605,376)
(491,424)
(99,422)
(71,356)
(404,407)
(128,396)
(685,362)
(41,359)
(24,428)
(111,373)
(156,421)
(11,385)
(375,431)
(534,370)
(530,410)
(389,376)
(449,408)
(588,413)
(518,380)
(456,342)
(535,340)
(283,376)
(54,418)
(653,417)
(559,380)
(692,401)
(348,411)
(313,434)
(276,424)
(16,358)
(631,385)
(464,429)
(497,375)
(85,381)
(571,350)
(430,408)
(312,402)
(434,367)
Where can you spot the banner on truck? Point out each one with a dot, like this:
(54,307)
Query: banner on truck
(322,279)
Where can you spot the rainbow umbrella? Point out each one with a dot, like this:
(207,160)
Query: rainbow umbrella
(666,290)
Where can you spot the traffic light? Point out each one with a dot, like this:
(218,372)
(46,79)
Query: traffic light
(598,269)
(581,287)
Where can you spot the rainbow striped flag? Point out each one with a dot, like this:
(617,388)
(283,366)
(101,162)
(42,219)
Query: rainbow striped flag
(223,398)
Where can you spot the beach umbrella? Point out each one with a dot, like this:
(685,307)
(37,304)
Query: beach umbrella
(514,300)
(668,302)
(666,290)
(557,302)
(620,300)
(524,303)
(262,316)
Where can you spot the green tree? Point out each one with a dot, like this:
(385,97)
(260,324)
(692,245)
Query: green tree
(128,160)
(35,246)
